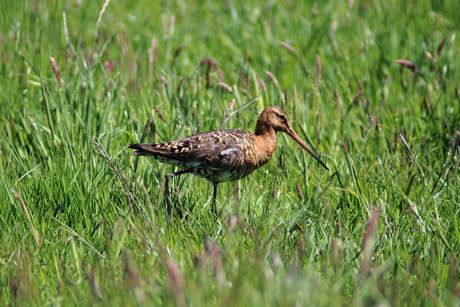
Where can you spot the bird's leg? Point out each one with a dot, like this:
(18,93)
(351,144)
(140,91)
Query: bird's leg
(214,194)
(167,177)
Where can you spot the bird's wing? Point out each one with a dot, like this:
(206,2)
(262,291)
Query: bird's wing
(217,150)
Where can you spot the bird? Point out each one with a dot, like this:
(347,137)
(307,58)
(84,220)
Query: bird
(224,155)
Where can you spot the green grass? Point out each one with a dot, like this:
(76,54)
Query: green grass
(82,222)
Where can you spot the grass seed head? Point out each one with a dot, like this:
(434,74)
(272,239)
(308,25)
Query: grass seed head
(441,46)
(272,78)
(299,192)
(32,122)
(160,115)
(230,107)
(389,145)
(153,129)
(219,71)
(299,227)
(424,141)
(377,125)
(288,48)
(56,71)
(396,141)
(224,86)
(262,85)
(211,64)
(109,66)
(429,56)
(410,65)
(357,96)
(318,69)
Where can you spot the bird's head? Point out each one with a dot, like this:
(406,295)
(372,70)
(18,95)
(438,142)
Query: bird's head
(275,118)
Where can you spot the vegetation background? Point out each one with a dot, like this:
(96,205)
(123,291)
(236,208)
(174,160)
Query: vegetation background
(372,85)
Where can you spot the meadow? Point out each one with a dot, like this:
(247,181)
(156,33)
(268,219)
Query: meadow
(372,86)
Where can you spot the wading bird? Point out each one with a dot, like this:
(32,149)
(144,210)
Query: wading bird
(223,155)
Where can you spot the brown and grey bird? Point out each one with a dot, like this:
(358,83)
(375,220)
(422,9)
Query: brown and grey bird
(224,155)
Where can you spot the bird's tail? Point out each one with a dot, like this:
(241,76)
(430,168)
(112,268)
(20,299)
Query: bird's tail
(142,150)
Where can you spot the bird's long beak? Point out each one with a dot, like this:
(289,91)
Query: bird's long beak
(294,135)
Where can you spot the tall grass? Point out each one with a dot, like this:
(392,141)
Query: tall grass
(371,86)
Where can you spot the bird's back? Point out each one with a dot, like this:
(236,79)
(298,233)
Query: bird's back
(218,156)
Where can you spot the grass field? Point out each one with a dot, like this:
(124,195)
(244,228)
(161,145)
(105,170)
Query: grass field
(82,221)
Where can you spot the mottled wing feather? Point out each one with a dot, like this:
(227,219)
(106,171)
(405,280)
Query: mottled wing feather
(220,150)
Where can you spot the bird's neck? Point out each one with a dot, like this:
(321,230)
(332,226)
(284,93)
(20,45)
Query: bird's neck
(265,139)
(262,127)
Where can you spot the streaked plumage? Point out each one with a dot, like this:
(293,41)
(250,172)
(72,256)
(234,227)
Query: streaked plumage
(224,155)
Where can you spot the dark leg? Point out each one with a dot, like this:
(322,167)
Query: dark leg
(214,205)
(167,177)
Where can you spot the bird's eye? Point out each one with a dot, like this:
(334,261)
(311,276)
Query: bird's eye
(282,118)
